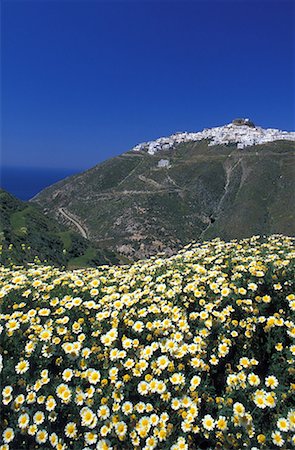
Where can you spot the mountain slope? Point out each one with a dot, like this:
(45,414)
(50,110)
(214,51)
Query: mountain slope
(162,195)
(26,233)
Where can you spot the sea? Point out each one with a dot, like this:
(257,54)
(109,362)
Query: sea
(25,182)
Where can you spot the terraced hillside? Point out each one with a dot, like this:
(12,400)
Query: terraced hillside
(140,203)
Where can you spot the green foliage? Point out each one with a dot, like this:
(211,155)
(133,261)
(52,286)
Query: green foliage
(27,234)
(66,239)
(132,206)
(190,352)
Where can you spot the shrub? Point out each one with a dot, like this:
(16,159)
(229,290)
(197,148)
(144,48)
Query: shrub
(187,352)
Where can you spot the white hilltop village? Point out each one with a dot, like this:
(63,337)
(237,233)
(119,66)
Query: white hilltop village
(242,132)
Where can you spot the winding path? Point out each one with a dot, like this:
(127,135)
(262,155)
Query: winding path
(78,225)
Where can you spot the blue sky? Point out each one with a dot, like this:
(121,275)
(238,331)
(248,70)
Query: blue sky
(85,80)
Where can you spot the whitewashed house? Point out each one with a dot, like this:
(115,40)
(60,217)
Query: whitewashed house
(164,163)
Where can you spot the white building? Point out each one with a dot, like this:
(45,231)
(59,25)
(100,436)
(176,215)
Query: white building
(164,163)
(241,135)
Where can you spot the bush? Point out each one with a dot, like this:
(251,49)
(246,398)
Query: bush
(188,352)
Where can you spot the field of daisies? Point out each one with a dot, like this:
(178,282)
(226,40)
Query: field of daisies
(195,351)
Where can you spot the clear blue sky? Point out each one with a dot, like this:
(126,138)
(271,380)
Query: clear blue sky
(85,80)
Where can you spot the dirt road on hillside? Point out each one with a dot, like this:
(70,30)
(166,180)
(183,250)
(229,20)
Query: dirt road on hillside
(74,220)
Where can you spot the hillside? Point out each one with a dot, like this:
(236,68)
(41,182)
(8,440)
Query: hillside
(232,182)
(191,352)
(26,233)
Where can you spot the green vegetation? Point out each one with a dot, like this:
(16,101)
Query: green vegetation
(18,220)
(26,233)
(132,206)
(66,239)
(91,257)
(191,352)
